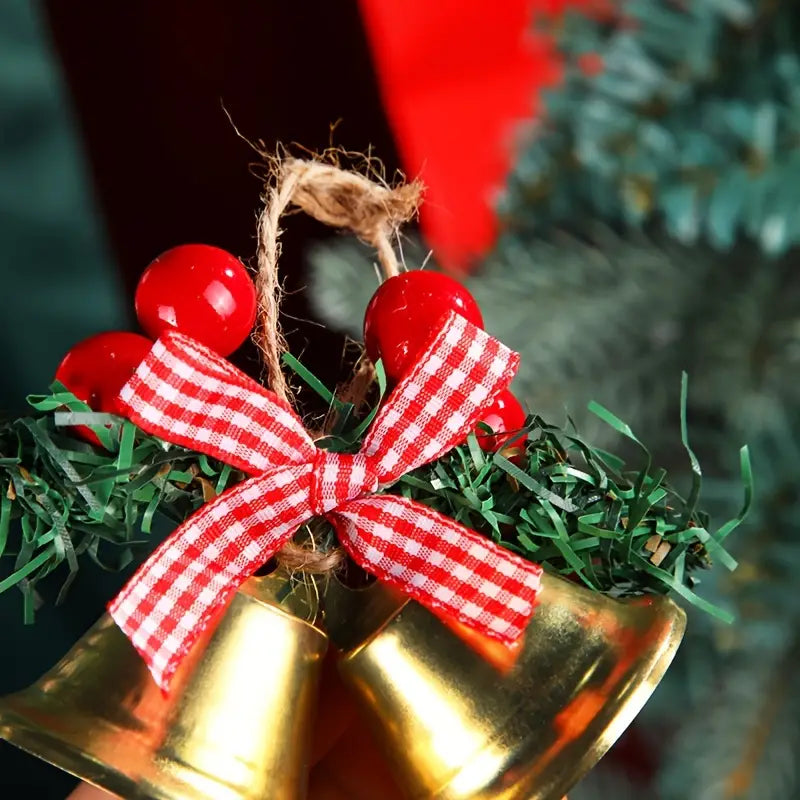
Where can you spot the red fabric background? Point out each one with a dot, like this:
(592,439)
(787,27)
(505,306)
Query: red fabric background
(458,77)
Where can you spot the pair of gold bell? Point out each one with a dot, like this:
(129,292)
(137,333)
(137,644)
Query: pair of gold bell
(451,718)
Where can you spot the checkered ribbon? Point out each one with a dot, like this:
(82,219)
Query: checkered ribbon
(186,394)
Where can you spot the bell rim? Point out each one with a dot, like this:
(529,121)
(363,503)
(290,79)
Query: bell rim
(80,738)
(640,691)
(621,719)
(42,744)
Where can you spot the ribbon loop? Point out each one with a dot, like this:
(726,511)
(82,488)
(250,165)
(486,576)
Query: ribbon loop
(440,399)
(186,394)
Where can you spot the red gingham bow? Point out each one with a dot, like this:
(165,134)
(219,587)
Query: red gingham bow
(188,395)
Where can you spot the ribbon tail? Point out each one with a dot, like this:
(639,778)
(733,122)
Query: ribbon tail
(452,571)
(186,583)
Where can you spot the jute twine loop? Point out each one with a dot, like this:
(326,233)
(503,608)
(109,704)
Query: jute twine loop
(296,558)
(374,212)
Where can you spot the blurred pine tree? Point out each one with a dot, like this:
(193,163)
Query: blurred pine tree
(59,283)
(651,225)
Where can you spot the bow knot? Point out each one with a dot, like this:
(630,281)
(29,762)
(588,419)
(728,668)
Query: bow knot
(188,395)
(339,477)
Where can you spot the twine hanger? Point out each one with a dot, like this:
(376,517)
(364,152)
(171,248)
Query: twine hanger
(374,212)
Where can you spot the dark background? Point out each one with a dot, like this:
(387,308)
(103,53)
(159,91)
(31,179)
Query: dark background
(149,81)
(145,84)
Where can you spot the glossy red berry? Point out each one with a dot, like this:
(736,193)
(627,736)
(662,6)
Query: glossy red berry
(505,417)
(200,290)
(96,369)
(404,313)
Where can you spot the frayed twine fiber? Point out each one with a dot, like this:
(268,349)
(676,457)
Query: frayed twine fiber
(373,211)
(337,197)
(298,558)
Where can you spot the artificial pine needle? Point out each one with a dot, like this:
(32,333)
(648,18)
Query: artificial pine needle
(576,510)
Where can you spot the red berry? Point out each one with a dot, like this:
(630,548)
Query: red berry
(505,417)
(95,370)
(200,290)
(405,312)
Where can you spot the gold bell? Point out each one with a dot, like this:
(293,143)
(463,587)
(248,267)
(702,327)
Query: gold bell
(456,722)
(236,725)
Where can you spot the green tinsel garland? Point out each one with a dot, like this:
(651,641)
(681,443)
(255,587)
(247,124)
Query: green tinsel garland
(548,496)
(62,499)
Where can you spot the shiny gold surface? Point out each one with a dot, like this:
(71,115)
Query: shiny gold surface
(235,727)
(456,725)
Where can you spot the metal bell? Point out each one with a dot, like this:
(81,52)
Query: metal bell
(457,720)
(236,725)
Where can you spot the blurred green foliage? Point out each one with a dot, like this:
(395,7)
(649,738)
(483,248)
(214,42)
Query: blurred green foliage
(58,284)
(684,113)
